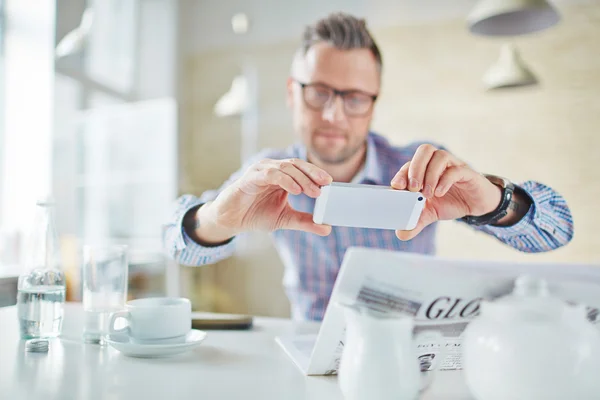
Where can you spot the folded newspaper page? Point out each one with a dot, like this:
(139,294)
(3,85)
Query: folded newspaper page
(441,294)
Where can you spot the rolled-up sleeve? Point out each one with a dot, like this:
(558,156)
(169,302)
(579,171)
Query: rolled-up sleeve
(180,247)
(547,225)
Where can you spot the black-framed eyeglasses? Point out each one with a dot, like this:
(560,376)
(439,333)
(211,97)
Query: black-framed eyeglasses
(318,95)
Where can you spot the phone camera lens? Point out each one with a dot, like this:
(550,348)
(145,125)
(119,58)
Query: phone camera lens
(420,199)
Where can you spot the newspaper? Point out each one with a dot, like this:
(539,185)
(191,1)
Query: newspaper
(441,294)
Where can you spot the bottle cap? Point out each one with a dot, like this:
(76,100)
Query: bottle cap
(37,345)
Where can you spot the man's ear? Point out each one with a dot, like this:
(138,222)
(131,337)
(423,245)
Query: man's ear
(289,92)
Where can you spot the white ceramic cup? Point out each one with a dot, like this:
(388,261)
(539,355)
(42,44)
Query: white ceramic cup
(156,320)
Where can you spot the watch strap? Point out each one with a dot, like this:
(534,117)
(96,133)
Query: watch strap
(501,211)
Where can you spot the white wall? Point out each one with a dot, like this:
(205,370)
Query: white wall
(206,24)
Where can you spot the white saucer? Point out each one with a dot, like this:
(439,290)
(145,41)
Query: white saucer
(124,344)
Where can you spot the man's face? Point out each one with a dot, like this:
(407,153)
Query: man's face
(333,132)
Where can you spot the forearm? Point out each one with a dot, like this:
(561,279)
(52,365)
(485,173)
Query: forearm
(546,225)
(200,225)
(184,249)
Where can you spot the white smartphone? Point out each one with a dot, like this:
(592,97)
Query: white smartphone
(368,206)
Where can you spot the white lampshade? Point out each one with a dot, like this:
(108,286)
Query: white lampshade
(74,41)
(511,17)
(235,101)
(239,23)
(509,70)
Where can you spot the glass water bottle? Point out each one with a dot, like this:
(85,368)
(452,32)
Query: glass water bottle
(42,287)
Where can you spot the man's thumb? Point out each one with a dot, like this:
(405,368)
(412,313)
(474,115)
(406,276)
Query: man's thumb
(301,221)
(427,218)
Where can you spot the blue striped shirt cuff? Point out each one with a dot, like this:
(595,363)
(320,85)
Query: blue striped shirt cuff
(547,225)
(187,251)
(519,228)
(196,254)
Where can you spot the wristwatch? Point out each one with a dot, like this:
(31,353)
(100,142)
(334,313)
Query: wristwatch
(500,212)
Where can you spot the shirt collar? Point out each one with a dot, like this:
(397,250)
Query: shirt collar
(370,172)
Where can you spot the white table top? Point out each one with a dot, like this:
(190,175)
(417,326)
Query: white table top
(227,365)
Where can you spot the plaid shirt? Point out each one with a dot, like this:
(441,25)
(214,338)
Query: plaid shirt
(312,262)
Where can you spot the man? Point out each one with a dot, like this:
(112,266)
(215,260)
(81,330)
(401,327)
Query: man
(334,83)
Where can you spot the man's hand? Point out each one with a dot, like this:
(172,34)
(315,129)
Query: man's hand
(451,188)
(259,201)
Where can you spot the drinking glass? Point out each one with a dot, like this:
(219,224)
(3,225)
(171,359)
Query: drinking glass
(105,278)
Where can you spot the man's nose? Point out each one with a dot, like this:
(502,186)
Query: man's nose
(334,110)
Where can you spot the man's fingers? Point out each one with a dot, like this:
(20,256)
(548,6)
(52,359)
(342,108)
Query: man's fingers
(437,165)
(301,221)
(418,166)
(424,170)
(307,176)
(309,187)
(316,174)
(450,176)
(274,176)
(400,180)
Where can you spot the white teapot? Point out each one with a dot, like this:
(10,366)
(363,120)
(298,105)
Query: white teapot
(380,358)
(531,345)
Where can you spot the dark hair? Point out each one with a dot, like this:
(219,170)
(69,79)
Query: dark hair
(344,32)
